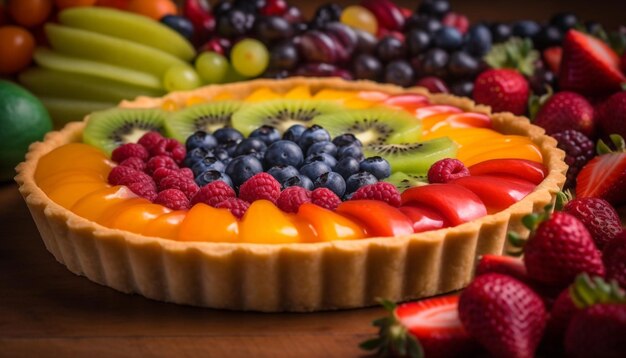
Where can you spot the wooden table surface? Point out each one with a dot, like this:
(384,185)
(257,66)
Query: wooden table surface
(45,310)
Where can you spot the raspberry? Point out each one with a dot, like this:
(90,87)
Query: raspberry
(145,189)
(129,150)
(160,173)
(173,199)
(181,182)
(236,206)
(150,140)
(381,191)
(138,182)
(325,198)
(171,148)
(213,193)
(292,197)
(578,151)
(446,170)
(260,186)
(135,163)
(160,161)
(119,173)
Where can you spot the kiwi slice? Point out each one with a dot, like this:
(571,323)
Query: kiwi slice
(373,126)
(281,114)
(404,181)
(413,158)
(113,127)
(207,117)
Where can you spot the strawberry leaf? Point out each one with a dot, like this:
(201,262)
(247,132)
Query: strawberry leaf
(588,291)
(516,53)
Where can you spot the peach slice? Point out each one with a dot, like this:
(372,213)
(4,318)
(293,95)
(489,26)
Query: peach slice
(262,94)
(93,205)
(67,194)
(166,226)
(70,157)
(71,176)
(135,218)
(264,223)
(329,225)
(206,223)
(299,92)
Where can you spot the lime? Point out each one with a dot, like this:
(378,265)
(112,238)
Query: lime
(23,120)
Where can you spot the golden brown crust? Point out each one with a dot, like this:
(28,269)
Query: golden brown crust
(287,277)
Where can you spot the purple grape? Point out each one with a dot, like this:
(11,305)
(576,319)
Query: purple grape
(284,56)
(345,37)
(317,46)
(390,48)
(367,67)
(272,28)
(322,70)
(366,42)
(399,72)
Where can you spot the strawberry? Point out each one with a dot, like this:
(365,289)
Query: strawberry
(588,66)
(605,175)
(503,314)
(612,115)
(552,57)
(428,328)
(566,110)
(584,292)
(559,248)
(598,216)
(505,265)
(622,62)
(615,259)
(505,90)
(597,331)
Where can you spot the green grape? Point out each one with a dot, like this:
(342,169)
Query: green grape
(249,57)
(181,78)
(212,67)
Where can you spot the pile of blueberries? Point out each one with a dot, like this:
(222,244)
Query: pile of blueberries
(303,157)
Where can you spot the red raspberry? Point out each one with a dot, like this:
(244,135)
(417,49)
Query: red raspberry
(325,198)
(173,199)
(181,182)
(171,148)
(236,206)
(213,193)
(119,173)
(150,140)
(381,191)
(447,169)
(129,150)
(160,161)
(292,197)
(145,189)
(135,163)
(260,186)
(138,182)
(160,173)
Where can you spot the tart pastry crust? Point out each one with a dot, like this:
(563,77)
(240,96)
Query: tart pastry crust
(283,277)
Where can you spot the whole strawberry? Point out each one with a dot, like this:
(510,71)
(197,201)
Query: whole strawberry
(612,115)
(605,175)
(566,110)
(504,315)
(588,65)
(559,249)
(598,216)
(505,90)
(615,259)
(597,331)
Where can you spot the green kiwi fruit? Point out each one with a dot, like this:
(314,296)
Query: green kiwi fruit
(281,114)
(404,181)
(110,128)
(207,117)
(413,158)
(374,125)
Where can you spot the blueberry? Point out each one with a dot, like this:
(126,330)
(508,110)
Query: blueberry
(462,88)
(211,176)
(431,63)
(219,153)
(418,41)
(346,139)
(284,152)
(234,23)
(462,65)
(200,139)
(267,134)
(547,37)
(500,32)
(311,135)
(229,147)
(324,158)
(423,22)
(448,38)
(250,146)
(352,150)
(332,181)
(399,73)
(390,48)
(564,20)
(180,24)
(326,14)
(194,156)
(294,133)
(478,40)
(347,166)
(227,135)
(526,28)
(282,172)
(377,166)
(243,168)
(207,163)
(314,169)
(355,181)
(299,180)
(434,8)
(322,147)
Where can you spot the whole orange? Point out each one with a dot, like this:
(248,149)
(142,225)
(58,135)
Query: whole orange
(29,13)
(155,9)
(63,4)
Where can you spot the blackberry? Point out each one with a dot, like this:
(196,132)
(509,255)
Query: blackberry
(578,151)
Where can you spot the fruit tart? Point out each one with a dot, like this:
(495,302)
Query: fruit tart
(289,195)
